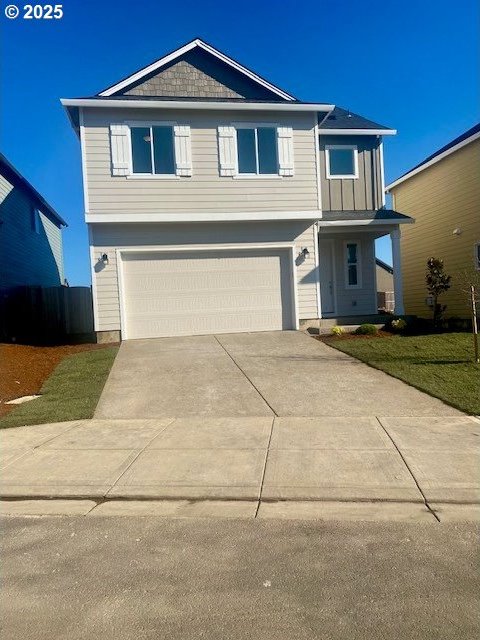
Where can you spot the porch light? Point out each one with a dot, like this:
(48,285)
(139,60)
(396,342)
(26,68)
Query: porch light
(104,258)
(305,253)
(147,138)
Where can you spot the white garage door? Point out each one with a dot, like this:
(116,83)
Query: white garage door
(201,292)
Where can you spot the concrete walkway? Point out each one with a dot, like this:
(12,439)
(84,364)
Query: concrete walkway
(253,374)
(282,462)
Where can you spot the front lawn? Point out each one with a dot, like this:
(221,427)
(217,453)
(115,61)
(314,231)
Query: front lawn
(440,364)
(70,393)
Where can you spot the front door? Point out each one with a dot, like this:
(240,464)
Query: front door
(327,277)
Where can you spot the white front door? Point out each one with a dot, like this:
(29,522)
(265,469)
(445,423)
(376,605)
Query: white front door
(327,277)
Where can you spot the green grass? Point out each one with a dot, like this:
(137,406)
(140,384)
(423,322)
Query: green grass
(442,365)
(70,393)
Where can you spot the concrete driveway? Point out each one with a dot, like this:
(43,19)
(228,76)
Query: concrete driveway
(273,424)
(252,374)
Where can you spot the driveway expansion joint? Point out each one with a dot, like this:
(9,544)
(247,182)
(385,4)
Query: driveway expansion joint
(246,376)
(432,511)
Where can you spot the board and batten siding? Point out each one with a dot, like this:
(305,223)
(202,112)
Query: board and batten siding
(441,198)
(106,238)
(205,190)
(362,193)
(27,257)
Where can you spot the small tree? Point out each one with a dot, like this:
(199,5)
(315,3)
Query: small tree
(437,283)
(470,284)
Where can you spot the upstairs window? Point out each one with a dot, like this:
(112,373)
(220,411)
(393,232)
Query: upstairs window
(257,150)
(153,150)
(342,161)
(352,265)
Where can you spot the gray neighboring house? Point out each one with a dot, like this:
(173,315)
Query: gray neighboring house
(30,234)
(385,294)
(217,202)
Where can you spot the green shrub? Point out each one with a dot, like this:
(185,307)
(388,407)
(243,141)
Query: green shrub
(338,331)
(366,330)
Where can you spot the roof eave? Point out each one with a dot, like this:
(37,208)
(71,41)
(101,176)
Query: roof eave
(431,162)
(197,42)
(357,132)
(195,105)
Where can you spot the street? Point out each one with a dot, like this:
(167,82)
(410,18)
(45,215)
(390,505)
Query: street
(152,577)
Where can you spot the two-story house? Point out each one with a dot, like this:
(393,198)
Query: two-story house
(443,194)
(31,252)
(218,202)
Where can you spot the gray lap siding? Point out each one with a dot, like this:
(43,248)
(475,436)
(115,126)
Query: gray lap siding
(106,238)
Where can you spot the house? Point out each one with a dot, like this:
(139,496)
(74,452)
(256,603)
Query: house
(385,295)
(218,202)
(443,194)
(30,234)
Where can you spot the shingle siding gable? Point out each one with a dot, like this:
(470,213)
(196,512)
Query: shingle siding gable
(197,75)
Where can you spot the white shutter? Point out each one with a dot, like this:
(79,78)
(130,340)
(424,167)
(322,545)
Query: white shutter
(183,150)
(285,150)
(120,149)
(227,151)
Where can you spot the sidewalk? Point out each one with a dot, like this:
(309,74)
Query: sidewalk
(276,461)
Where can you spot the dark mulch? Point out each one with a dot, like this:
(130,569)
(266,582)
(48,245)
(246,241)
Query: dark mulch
(24,369)
(353,336)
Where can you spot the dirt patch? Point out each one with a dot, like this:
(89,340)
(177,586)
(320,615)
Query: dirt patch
(354,336)
(23,369)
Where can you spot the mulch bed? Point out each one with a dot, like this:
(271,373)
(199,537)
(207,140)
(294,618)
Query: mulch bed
(24,369)
(353,336)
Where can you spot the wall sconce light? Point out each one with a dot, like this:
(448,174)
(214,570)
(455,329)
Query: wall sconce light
(104,258)
(457,232)
(304,253)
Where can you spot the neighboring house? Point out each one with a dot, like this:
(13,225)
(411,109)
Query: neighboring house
(443,194)
(218,202)
(30,234)
(385,295)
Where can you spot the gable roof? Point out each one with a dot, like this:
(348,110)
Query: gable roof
(344,120)
(454,145)
(173,55)
(14,177)
(384,265)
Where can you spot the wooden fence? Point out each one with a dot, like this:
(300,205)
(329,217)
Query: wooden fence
(46,315)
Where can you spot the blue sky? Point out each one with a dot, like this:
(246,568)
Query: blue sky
(408,64)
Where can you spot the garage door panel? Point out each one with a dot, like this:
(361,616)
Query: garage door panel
(196,293)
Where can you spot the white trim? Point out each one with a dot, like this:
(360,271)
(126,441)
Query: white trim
(358,132)
(96,315)
(341,147)
(317,162)
(433,161)
(354,223)
(179,52)
(200,216)
(358,264)
(196,105)
(290,246)
(382,173)
(317,268)
(395,236)
(375,306)
(84,161)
